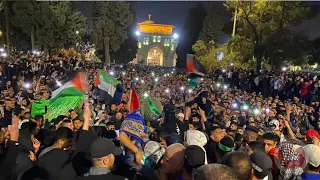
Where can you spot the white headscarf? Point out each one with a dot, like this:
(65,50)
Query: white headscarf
(198,138)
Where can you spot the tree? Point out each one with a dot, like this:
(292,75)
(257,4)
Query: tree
(208,55)
(190,33)
(6,13)
(241,48)
(57,25)
(315,51)
(112,21)
(261,21)
(128,49)
(212,26)
(25,17)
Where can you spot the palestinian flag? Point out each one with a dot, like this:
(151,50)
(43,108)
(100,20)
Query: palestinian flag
(69,95)
(106,83)
(195,71)
(73,85)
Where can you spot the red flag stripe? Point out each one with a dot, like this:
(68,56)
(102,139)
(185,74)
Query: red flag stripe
(79,82)
(134,102)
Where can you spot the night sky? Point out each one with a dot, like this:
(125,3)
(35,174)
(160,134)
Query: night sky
(175,13)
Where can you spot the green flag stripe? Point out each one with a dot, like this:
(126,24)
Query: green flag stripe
(62,105)
(193,83)
(70,91)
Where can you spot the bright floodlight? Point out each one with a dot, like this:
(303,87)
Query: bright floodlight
(137,78)
(231,64)
(77,32)
(123,73)
(4,54)
(111,73)
(145,94)
(175,36)
(201,79)
(218,84)
(182,88)
(223,70)
(167,90)
(156,79)
(284,68)
(1,49)
(256,111)
(190,90)
(142,81)
(137,33)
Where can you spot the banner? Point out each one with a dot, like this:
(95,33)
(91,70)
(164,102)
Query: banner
(39,107)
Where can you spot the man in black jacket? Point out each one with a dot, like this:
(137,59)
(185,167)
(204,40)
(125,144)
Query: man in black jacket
(9,155)
(102,153)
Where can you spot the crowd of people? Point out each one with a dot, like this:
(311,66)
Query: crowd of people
(235,125)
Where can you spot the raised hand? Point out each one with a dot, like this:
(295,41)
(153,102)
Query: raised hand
(36,145)
(13,129)
(32,156)
(86,117)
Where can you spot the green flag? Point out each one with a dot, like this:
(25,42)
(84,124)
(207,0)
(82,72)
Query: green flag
(38,107)
(62,105)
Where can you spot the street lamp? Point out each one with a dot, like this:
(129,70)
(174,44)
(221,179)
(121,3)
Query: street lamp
(137,33)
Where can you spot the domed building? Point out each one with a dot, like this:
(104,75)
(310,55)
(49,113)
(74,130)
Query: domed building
(156,44)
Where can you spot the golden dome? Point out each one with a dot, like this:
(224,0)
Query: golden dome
(150,26)
(147,22)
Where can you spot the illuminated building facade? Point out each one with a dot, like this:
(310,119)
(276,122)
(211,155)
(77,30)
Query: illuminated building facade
(156,44)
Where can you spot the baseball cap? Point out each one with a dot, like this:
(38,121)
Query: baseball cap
(312,133)
(194,157)
(102,147)
(312,154)
(153,152)
(261,162)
